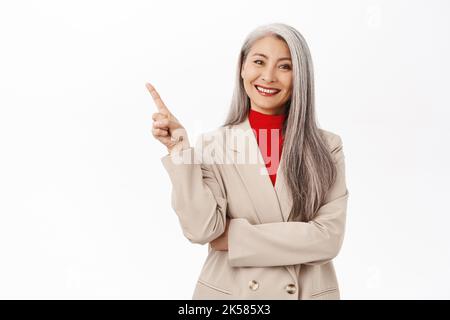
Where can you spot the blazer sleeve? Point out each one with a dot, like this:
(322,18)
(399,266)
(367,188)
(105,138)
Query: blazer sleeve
(289,243)
(198,197)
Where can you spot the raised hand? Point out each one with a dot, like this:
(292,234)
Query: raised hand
(166,128)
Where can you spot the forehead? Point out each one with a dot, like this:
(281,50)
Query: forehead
(270,46)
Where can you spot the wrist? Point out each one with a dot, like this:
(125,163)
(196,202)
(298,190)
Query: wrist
(181,144)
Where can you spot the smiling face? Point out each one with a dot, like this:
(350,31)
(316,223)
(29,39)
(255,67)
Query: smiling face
(268,65)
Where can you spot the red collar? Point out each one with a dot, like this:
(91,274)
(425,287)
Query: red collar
(260,120)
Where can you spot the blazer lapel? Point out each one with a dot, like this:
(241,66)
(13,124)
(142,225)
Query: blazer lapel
(271,203)
(283,194)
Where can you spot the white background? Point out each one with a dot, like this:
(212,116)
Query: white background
(85,201)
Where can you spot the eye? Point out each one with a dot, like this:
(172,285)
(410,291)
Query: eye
(285,66)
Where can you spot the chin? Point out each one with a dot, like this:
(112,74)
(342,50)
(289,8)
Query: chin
(269,106)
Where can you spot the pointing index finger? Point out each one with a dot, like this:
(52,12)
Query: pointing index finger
(158,101)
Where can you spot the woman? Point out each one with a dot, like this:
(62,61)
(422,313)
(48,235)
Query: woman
(275,224)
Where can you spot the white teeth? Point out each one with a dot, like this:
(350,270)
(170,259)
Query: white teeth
(266,90)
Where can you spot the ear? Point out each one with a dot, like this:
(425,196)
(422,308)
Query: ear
(242,71)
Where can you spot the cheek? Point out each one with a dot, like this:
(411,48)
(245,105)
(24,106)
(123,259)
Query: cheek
(248,86)
(287,83)
(250,74)
(248,82)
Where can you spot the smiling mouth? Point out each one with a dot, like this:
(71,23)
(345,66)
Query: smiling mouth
(266,92)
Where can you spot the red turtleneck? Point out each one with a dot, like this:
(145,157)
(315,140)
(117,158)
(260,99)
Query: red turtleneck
(271,123)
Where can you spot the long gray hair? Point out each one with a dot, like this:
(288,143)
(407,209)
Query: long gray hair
(308,166)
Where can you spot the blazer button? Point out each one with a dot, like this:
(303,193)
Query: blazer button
(290,288)
(253,285)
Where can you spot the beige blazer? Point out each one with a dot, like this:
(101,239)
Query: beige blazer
(268,256)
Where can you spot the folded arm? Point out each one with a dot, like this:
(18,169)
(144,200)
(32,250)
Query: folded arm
(289,243)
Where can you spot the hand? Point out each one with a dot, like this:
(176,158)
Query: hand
(166,128)
(221,243)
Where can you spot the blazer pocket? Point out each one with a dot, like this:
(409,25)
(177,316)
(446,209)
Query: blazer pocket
(206,290)
(326,294)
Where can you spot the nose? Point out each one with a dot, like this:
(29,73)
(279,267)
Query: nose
(268,75)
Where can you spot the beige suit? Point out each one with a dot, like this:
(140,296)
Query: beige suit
(268,256)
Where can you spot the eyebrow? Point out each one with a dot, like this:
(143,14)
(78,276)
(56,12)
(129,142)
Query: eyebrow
(263,55)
